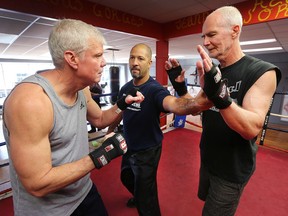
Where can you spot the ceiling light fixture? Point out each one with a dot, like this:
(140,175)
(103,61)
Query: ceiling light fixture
(243,43)
(107,47)
(7,38)
(263,49)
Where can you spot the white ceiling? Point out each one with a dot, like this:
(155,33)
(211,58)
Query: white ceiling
(25,35)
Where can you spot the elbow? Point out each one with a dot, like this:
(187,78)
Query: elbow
(250,134)
(36,191)
(38,194)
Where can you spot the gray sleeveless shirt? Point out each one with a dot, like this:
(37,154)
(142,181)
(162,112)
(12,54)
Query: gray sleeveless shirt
(69,142)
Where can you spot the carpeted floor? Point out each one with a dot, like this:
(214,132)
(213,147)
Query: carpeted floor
(265,195)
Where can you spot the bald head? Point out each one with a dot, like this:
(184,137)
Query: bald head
(146,48)
(226,16)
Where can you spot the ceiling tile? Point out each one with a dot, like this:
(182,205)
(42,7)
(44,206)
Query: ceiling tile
(162,11)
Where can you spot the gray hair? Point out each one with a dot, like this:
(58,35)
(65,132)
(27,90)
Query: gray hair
(231,16)
(74,35)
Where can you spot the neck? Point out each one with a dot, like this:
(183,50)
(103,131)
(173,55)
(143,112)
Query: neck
(138,82)
(231,58)
(63,84)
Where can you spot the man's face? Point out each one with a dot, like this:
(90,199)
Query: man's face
(139,62)
(92,62)
(217,37)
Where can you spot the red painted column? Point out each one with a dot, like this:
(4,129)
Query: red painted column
(161,56)
(161,75)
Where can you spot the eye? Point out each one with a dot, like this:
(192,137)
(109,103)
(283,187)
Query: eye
(212,34)
(98,55)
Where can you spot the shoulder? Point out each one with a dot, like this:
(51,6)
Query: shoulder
(260,67)
(28,96)
(158,90)
(126,86)
(154,84)
(27,103)
(259,64)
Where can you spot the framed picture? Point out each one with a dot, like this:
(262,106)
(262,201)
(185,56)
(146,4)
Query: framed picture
(284,110)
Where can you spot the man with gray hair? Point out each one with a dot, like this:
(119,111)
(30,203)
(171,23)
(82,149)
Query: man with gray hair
(241,89)
(45,128)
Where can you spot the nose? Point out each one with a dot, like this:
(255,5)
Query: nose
(206,41)
(103,62)
(134,61)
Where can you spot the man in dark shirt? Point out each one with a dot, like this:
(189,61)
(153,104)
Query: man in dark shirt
(142,132)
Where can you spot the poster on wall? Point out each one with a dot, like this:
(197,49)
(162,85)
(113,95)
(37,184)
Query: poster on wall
(285,108)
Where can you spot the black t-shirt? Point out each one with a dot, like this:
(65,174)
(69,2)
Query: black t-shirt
(141,121)
(223,151)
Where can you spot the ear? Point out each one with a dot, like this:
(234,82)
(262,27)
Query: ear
(71,59)
(235,31)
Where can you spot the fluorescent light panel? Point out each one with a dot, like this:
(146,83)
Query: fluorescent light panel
(263,49)
(243,43)
(107,47)
(7,38)
(263,41)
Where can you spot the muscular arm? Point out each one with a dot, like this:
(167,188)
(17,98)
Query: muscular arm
(187,104)
(248,120)
(103,118)
(29,119)
(112,126)
(99,118)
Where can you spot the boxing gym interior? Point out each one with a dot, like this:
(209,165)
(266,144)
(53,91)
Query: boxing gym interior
(170,28)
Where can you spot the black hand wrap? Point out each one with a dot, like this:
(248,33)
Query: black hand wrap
(180,87)
(121,102)
(216,88)
(111,148)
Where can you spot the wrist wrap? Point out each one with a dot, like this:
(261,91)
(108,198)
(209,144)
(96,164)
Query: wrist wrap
(180,87)
(111,148)
(121,102)
(216,88)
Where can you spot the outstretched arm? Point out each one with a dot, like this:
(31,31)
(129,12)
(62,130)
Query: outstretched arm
(187,104)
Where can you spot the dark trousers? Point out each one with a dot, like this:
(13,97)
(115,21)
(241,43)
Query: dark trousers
(139,176)
(92,205)
(221,197)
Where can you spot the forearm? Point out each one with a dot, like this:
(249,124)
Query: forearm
(114,124)
(247,123)
(107,117)
(58,177)
(185,106)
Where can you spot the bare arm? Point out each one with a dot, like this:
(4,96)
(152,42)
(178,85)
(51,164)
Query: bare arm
(187,104)
(103,118)
(29,143)
(248,120)
(112,126)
